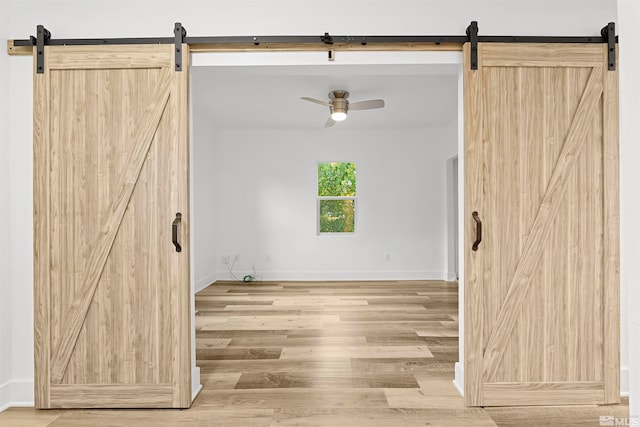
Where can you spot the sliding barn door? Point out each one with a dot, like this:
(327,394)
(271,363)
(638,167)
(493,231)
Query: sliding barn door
(541,290)
(112,319)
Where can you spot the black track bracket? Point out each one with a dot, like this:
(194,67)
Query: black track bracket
(609,35)
(472,34)
(42,37)
(326,39)
(180,33)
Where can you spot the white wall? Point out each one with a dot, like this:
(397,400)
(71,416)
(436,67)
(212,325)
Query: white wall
(203,242)
(16,280)
(21,232)
(78,18)
(629,16)
(5,227)
(122,18)
(265,185)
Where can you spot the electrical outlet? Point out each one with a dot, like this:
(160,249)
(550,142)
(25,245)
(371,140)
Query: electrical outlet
(387,257)
(224,259)
(267,258)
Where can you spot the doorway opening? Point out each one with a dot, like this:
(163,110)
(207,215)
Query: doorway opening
(255,150)
(453,244)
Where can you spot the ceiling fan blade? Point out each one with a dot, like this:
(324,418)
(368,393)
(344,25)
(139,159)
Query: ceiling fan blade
(330,122)
(317,101)
(367,105)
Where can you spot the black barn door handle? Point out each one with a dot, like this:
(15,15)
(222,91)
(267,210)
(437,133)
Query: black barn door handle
(175,232)
(476,218)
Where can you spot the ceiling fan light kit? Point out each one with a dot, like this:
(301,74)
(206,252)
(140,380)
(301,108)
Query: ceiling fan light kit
(339,105)
(338,116)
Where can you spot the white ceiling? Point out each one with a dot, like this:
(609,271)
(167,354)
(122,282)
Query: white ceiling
(268,97)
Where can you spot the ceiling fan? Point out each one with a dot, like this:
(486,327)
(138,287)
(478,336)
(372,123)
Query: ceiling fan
(339,105)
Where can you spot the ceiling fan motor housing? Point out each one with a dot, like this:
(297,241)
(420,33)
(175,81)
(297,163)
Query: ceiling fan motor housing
(339,101)
(340,106)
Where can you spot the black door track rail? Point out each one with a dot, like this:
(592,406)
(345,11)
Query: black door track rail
(43,38)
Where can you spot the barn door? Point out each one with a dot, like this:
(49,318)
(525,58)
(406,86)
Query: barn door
(112,319)
(541,290)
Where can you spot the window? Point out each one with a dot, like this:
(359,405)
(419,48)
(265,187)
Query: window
(336,197)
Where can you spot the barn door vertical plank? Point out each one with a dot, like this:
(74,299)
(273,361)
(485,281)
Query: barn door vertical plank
(41,294)
(473,201)
(180,199)
(611,234)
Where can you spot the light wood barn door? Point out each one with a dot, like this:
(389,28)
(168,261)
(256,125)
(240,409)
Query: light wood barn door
(112,316)
(541,291)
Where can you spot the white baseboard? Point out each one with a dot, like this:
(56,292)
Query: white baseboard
(451,276)
(458,380)
(195,383)
(339,275)
(203,282)
(16,393)
(624,381)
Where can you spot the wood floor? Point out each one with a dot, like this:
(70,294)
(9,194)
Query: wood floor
(326,354)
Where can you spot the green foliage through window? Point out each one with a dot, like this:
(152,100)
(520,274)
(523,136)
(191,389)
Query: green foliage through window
(337,216)
(336,179)
(337,191)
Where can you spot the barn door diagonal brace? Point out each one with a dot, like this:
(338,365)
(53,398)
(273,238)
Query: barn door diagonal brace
(472,33)
(609,34)
(180,33)
(43,36)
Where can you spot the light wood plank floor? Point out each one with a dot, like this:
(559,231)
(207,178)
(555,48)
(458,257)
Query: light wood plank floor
(326,354)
